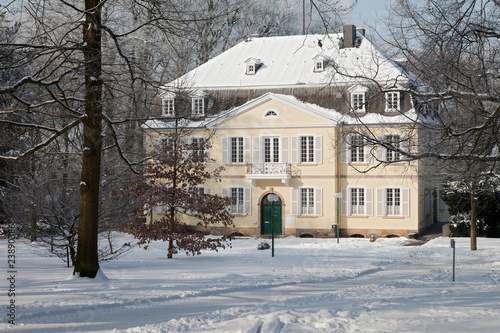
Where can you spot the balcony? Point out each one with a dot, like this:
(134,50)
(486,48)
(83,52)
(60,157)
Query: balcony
(263,171)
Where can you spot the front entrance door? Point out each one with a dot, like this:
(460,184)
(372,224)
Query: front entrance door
(270,211)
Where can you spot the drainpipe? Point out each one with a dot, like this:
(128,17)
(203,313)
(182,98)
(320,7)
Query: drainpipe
(338,193)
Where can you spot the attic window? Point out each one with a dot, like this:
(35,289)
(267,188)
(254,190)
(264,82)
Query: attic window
(320,63)
(318,66)
(271,114)
(252,66)
(168,107)
(250,69)
(358,98)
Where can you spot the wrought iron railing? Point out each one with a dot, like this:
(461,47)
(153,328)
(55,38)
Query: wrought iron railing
(272,169)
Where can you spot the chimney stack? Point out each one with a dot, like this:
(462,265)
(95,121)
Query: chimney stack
(349,35)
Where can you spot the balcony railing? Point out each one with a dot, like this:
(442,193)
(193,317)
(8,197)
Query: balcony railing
(281,171)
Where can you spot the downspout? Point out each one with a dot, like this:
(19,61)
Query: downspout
(337,175)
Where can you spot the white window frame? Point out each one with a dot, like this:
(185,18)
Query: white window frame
(357,148)
(307,201)
(168,107)
(237,151)
(390,197)
(199,148)
(395,141)
(276,151)
(243,204)
(271,114)
(250,69)
(358,101)
(319,66)
(198,106)
(392,101)
(307,153)
(350,203)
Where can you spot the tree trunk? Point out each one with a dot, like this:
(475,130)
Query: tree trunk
(87,262)
(473,238)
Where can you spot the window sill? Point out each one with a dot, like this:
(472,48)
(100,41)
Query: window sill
(307,216)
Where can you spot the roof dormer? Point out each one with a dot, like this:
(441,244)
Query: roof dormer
(252,66)
(320,63)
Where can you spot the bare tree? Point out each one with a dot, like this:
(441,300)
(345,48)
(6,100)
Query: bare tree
(449,53)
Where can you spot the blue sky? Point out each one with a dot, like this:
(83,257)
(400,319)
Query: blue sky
(365,13)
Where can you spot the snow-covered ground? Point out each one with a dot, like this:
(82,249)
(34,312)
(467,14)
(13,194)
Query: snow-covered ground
(311,285)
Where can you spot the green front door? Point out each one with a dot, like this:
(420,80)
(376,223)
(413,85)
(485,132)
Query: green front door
(268,211)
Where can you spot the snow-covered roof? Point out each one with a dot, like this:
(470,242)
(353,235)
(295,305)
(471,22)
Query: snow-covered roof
(289,60)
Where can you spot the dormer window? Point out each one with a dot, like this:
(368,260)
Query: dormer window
(318,66)
(358,98)
(320,63)
(252,66)
(198,107)
(198,103)
(392,101)
(168,104)
(168,107)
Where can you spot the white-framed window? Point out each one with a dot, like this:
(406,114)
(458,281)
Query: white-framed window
(307,201)
(250,69)
(318,66)
(357,201)
(307,149)
(392,155)
(168,107)
(198,106)
(356,148)
(392,101)
(240,199)
(358,98)
(162,141)
(272,150)
(237,149)
(393,201)
(198,145)
(358,101)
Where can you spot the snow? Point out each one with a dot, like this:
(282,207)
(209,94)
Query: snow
(288,61)
(311,285)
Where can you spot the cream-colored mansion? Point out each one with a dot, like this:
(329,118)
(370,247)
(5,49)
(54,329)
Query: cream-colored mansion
(296,116)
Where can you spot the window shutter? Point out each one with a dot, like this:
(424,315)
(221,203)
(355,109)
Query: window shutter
(405,146)
(380,202)
(225,150)
(256,149)
(295,150)
(344,147)
(318,198)
(248,200)
(284,149)
(295,201)
(367,151)
(405,198)
(368,201)
(344,205)
(225,194)
(246,142)
(318,142)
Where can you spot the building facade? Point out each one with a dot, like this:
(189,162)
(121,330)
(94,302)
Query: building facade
(293,121)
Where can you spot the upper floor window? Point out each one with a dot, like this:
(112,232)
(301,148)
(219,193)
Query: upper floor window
(237,150)
(357,148)
(358,98)
(307,149)
(320,63)
(392,101)
(252,65)
(168,107)
(198,107)
(393,140)
(198,146)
